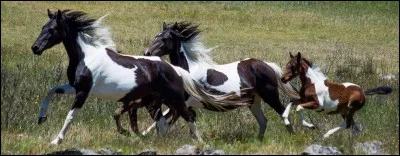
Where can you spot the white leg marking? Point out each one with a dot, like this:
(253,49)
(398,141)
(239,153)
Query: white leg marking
(71,114)
(151,127)
(68,89)
(330,132)
(256,110)
(299,108)
(303,122)
(285,114)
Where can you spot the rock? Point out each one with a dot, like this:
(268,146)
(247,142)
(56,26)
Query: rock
(387,77)
(106,151)
(371,147)
(214,152)
(150,152)
(74,151)
(188,150)
(321,150)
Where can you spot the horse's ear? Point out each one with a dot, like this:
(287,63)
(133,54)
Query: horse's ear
(49,13)
(164,26)
(58,16)
(298,57)
(291,55)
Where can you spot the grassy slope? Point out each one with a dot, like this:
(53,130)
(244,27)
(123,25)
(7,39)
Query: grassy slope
(350,41)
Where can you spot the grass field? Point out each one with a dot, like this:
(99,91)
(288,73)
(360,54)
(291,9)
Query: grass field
(351,41)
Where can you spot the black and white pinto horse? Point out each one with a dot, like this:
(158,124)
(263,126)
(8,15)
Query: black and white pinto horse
(96,69)
(181,41)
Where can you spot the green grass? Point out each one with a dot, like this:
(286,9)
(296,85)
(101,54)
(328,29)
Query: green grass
(350,41)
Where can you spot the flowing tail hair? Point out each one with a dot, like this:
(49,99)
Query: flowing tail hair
(379,90)
(287,88)
(196,90)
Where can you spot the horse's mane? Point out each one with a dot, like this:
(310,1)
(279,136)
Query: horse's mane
(315,68)
(192,46)
(187,30)
(89,28)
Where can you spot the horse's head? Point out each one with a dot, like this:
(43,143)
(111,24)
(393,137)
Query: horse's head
(166,41)
(52,33)
(293,68)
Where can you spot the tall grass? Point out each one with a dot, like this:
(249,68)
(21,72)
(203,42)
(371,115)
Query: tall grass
(350,41)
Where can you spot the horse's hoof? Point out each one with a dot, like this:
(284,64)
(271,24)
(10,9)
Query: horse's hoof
(42,119)
(55,142)
(290,129)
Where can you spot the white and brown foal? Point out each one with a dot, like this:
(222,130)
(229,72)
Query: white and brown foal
(319,94)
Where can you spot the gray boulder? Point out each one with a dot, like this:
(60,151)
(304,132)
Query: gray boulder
(321,150)
(214,152)
(188,150)
(74,151)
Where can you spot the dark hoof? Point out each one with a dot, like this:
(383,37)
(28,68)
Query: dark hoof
(42,119)
(290,129)
(260,137)
(124,132)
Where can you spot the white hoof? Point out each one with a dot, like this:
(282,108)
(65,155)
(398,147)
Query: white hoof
(304,123)
(326,136)
(56,141)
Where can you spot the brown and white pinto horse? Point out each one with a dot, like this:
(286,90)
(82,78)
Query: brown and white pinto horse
(182,43)
(319,94)
(96,69)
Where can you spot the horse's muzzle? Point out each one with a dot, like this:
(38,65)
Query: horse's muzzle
(42,119)
(36,50)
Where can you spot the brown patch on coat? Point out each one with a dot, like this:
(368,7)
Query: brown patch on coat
(216,78)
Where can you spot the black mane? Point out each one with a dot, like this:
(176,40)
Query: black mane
(187,30)
(77,20)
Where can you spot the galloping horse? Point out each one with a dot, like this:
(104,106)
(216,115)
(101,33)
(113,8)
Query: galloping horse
(182,43)
(96,69)
(319,94)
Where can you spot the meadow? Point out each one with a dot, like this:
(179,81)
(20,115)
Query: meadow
(351,42)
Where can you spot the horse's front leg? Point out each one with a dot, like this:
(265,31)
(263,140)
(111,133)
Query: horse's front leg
(308,105)
(60,89)
(285,114)
(80,99)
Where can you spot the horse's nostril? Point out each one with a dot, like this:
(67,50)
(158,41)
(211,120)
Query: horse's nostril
(35,48)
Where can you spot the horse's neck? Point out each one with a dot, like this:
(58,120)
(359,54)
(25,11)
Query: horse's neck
(310,77)
(75,55)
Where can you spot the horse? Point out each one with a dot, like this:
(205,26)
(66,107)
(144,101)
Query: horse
(96,70)
(182,43)
(322,95)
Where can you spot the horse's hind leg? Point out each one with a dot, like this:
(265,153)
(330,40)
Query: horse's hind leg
(178,103)
(60,89)
(117,114)
(133,120)
(257,112)
(270,95)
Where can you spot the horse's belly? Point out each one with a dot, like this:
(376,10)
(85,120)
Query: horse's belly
(115,86)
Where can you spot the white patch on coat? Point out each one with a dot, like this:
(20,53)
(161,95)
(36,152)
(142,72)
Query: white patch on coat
(346,84)
(324,101)
(199,62)
(110,80)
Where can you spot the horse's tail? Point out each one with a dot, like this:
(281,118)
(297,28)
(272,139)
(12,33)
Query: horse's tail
(379,90)
(287,88)
(196,90)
